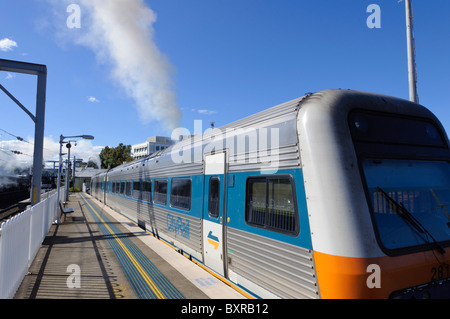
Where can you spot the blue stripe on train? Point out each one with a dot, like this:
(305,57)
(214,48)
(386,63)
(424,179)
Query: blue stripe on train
(235,206)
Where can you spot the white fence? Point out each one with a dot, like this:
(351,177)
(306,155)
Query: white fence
(20,239)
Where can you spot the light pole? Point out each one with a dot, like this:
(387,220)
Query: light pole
(68,145)
(412,74)
(58,182)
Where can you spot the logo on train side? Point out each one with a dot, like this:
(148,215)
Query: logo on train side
(213,240)
(178,226)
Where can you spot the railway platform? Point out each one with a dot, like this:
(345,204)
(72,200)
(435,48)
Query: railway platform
(96,253)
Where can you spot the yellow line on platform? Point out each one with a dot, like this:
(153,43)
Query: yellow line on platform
(222,279)
(144,274)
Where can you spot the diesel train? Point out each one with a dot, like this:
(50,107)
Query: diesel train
(337,194)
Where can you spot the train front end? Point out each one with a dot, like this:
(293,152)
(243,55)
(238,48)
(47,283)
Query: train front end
(377,181)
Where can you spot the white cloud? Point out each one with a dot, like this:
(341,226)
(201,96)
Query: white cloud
(84,150)
(93,99)
(7,44)
(9,76)
(206,112)
(121,33)
(9,160)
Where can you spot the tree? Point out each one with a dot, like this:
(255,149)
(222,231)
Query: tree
(90,163)
(115,156)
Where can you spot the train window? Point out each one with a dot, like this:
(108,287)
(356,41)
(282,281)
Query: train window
(160,192)
(136,189)
(180,193)
(214,197)
(122,188)
(128,189)
(365,127)
(113,187)
(421,188)
(270,204)
(147,191)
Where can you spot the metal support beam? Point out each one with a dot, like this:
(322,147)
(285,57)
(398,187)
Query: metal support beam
(18,103)
(38,156)
(39,117)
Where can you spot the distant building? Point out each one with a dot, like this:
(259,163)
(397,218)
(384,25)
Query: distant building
(152,145)
(83,176)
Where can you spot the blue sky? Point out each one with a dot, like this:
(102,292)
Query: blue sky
(206,60)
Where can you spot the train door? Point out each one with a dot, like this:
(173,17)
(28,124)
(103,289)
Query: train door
(213,212)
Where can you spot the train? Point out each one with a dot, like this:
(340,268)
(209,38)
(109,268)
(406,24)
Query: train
(337,194)
(14,188)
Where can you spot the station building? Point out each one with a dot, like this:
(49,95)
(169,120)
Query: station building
(152,145)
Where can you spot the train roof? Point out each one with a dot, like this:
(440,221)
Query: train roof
(281,113)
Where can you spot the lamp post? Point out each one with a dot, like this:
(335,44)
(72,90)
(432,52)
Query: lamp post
(68,145)
(412,74)
(58,182)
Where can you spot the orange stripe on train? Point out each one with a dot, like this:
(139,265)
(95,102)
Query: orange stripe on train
(346,277)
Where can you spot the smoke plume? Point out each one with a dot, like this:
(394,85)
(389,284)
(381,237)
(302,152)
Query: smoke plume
(121,32)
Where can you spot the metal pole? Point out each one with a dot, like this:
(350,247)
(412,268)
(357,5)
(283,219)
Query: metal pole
(38,155)
(412,74)
(58,182)
(38,119)
(67,171)
(73,173)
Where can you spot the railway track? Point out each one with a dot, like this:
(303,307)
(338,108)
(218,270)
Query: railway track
(12,203)
(10,212)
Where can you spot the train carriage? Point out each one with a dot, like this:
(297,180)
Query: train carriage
(337,194)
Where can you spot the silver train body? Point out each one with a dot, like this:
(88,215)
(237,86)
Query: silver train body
(282,203)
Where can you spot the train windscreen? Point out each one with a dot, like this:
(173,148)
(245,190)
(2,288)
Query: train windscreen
(405,164)
(410,201)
